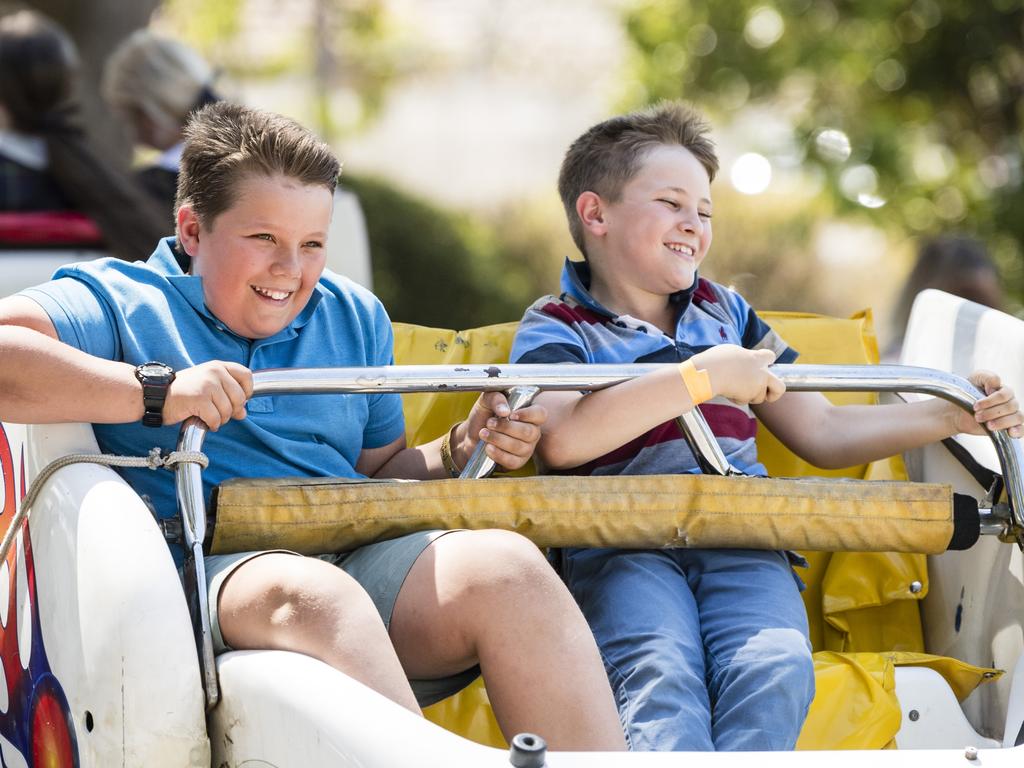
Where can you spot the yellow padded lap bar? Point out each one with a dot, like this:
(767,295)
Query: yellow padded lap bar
(314,516)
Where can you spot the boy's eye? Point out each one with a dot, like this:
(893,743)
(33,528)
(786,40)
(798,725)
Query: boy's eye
(264,236)
(313,244)
(670,203)
(705,215)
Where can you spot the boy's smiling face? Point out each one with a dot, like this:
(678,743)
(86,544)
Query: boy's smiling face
(261,258)
(652,239)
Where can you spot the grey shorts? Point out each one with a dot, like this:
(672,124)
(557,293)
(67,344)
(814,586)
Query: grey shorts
(379,568)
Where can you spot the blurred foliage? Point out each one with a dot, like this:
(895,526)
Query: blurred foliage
(202,24)
(773,271)
(923,100)
(349,51)
(437,267)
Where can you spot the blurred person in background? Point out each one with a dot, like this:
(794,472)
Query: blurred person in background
(956,264)
(155,83)
(47,163)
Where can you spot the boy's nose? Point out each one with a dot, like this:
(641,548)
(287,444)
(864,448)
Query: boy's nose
(691,222)
(287,262)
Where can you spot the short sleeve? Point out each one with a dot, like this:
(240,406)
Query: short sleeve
(386,422)
(755,333)
(543,337)
(82,318)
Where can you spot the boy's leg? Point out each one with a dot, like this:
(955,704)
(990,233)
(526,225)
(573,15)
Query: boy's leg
(287,602)
(490,598)
(645,620)
(760,672)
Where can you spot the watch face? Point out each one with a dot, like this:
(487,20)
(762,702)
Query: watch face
(155,371)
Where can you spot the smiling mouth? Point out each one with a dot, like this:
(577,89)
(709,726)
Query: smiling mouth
(272,294)
(681,249)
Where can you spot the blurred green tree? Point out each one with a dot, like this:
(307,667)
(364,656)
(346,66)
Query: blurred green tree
(910,111)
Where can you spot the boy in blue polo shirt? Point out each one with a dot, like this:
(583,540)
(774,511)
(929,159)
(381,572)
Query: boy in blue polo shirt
(243,286)
(705,650)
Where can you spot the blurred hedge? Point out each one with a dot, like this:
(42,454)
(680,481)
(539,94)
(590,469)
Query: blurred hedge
(439,267)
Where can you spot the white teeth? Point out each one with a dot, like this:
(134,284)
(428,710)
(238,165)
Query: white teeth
(271,294)
(679,248)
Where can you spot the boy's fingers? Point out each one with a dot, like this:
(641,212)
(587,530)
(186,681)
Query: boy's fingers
(496,403)
(996,411)
(987,381)
(776,388)
(519,442)
(505,459)
(530,414)
(1006,422)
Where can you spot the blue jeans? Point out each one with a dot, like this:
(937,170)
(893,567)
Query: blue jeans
(705,649)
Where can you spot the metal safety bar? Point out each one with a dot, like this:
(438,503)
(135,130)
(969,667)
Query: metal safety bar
(521,383)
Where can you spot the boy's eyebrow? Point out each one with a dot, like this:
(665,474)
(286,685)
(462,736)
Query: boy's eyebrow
(260,224)
(686,192)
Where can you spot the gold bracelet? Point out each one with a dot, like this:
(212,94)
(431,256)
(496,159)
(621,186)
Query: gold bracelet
(697,382)
(446,453)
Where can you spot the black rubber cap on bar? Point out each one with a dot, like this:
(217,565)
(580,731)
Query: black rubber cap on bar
(966,522)
(528,750)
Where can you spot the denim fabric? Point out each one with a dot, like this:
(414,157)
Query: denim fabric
(705,649)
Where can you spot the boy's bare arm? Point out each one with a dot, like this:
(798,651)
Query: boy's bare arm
(831,436)
(43,381)
(583,427)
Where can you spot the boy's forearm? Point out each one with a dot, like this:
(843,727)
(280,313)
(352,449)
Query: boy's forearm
(43,381)
(582,428)
(857,434)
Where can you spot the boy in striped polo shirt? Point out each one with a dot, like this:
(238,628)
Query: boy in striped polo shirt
(705,650)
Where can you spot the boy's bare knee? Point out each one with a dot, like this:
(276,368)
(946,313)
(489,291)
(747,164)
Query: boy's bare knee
(494,562)
(288,595)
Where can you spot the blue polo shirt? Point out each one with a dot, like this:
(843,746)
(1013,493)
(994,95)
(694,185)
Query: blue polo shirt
(575,328)
(134,312)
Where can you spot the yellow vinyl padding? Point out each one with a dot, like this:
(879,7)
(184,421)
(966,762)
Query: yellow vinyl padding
(855,706)
(318,515)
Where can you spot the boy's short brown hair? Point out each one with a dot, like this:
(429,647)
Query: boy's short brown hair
(607,156)
(226,142)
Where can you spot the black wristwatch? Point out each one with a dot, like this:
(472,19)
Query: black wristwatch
(155,378)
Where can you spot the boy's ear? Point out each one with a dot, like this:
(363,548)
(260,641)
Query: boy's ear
(590,209)
(188,229)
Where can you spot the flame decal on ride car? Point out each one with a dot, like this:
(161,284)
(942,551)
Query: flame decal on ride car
(35,718)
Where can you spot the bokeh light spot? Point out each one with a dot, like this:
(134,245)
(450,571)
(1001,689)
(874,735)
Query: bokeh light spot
(858,180)
(832,145)
(764,27)
(890,75)
(701,40)
(950,204)
(751,173)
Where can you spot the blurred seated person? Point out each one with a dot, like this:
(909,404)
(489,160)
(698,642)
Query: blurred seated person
(47,163)
(956,264)
(155,83)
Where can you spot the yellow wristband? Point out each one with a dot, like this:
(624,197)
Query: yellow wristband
(697,382)
(446,453)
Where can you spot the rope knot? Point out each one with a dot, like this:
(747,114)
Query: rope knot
(157,459)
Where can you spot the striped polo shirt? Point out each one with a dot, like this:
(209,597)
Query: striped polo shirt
(575,328)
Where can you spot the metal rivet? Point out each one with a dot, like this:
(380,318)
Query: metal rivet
(988,675)
(915,587)
(971,753)
(913,715)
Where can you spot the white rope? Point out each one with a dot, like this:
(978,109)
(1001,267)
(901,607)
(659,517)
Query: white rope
(154,460)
